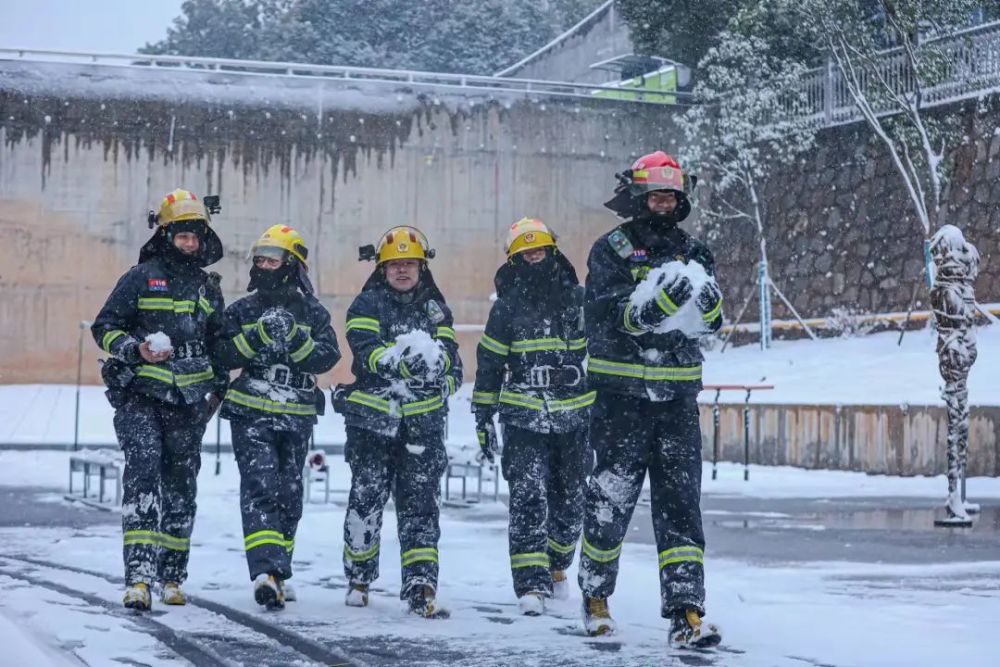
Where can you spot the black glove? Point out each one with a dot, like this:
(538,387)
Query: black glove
(709,298)
(668,301)
(486,433)
(277,324)
(417,367)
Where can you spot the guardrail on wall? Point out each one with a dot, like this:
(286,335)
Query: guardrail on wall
(971,68)
(470,83)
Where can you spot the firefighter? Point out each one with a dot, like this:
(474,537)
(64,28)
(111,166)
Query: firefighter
(531,370)
(280,336)
(647,375)
(406,365)
(158,325)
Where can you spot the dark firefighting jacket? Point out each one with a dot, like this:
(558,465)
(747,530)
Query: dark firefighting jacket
(531,356)
(654,366)
(381,400)
(179,300)
(281,384)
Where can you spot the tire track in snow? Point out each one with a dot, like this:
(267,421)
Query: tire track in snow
(306,647)
(182,646)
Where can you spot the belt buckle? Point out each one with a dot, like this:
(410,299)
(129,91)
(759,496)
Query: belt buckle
(308,382)
(579,376)
(279,374)
(540,376)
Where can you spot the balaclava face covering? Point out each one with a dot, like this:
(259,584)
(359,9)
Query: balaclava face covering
(266,280)
(174,254)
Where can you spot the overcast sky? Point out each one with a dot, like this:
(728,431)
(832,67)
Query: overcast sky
(109,26)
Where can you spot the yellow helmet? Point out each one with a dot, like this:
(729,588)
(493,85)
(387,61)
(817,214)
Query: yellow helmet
(181,205)
(402,242)
(528,234)
(280,242)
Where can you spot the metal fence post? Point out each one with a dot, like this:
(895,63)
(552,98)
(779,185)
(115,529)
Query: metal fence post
(746,438)
(828,92)
(79,380)
(716,435)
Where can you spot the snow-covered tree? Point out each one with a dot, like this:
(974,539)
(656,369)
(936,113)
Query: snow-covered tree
(214,29)
(889,87)
(468,36)
(681,30)
(740,132)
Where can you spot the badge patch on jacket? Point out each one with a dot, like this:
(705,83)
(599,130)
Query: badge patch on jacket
(620,243)
(157,285)
(434,311)
(639,255)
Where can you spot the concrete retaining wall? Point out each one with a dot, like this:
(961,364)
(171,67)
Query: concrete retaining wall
(86,150)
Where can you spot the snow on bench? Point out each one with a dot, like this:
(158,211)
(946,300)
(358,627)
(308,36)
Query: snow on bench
(463,464)
(103,465)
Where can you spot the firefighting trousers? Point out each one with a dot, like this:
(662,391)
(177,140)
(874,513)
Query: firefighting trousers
(544,472)
(162,447)
(631,436)
(409,466)
(270,463)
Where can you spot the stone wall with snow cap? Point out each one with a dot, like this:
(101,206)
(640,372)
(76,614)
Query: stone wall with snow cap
(841,231)
(86,149)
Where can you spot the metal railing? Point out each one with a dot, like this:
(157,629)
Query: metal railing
(461,83)
(970,67)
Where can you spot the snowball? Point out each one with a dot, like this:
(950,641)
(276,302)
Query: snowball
(687,320)
(417,344)
(159,342)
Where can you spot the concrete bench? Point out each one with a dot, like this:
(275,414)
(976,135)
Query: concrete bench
(101,467)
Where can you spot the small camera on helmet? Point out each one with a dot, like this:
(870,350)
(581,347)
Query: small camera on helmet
(152,217)
(366,253)
(213,203)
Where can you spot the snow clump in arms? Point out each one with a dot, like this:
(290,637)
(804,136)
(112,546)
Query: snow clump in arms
(417,344)
(687,320)
(159,342)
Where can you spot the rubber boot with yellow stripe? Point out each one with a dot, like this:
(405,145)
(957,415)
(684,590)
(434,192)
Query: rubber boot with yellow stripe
(596,617)
(267,591)
(560,585)
(421,602)
(172,594)
(138,597)
(688,630)
(357,595)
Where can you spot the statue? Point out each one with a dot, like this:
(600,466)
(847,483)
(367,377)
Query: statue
(953,301)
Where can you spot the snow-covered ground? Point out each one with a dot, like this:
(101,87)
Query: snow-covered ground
(792,609)
(773,614)
(866,370)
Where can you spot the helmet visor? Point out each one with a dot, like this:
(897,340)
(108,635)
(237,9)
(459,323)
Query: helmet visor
(270,252)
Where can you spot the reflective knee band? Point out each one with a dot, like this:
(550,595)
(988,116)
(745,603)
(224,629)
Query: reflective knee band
(681,555)
(156,538)
(418,555)
(262,538)
(360,556)
(601,555)
(536,559)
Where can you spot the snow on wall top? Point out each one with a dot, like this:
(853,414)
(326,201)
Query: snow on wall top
(184,85)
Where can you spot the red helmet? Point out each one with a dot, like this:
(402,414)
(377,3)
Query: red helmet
(657,171)
(650,173)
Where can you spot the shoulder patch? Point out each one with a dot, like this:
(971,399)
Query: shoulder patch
(620,243)
(434,311)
